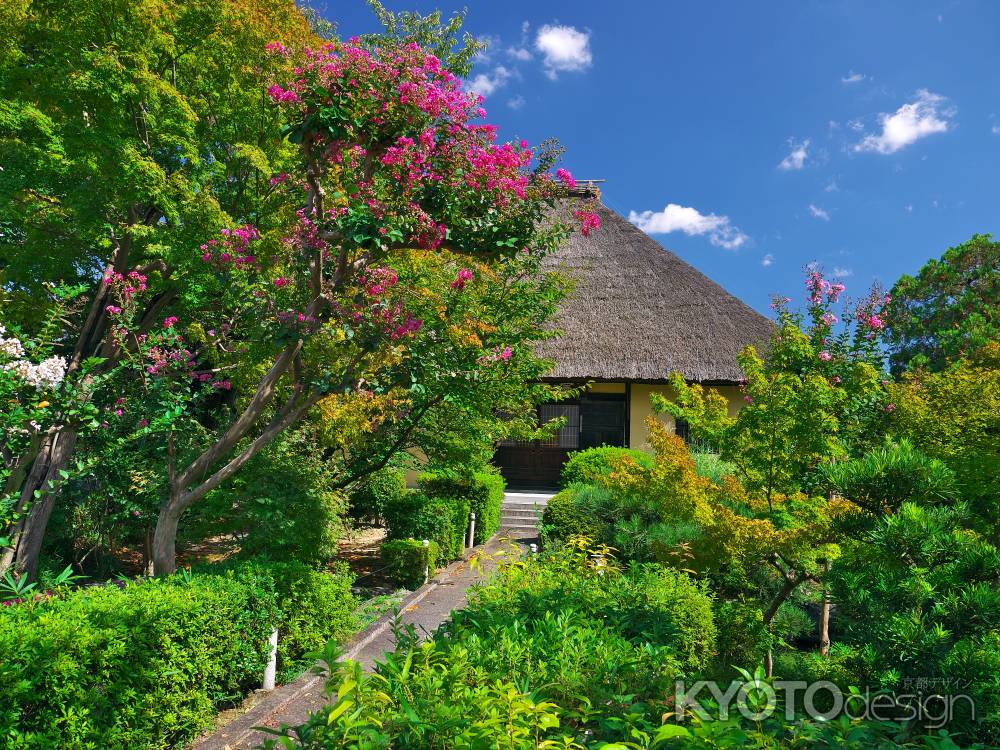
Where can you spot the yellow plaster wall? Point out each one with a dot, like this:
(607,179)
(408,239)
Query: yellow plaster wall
(640,408)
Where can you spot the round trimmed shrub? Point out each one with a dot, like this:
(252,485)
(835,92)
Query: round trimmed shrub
(590,465)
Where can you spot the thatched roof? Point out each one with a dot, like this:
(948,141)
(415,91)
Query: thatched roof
(638,312)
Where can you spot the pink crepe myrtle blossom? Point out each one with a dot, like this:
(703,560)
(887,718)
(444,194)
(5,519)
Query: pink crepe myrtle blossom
(464,276)
(169,322)
(113,310)
(589,221)
(564,176)
(825,356)
(890,408)
(233,250)
(280,282)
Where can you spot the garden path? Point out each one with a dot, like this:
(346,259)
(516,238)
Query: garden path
(426,609)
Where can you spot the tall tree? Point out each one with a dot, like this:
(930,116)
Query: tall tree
(393,165)
(129,132)
(948,310)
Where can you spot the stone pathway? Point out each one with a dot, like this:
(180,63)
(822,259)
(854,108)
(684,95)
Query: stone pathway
(425,609)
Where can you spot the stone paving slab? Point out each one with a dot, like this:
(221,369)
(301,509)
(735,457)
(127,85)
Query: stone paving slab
(426,609)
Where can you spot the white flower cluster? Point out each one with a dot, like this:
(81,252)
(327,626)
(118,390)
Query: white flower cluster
(46,374)
(10,347)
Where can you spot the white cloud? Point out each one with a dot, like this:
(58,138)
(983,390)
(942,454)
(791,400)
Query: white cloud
(908,124)
(841,273)
(995,130)
(908,208)
(819,213)
(563,49)
(690,221)
(767,260)
(516,102)
(856,125)
(832,186)
(485,84)
(853,77)
(520,51)
(796,158)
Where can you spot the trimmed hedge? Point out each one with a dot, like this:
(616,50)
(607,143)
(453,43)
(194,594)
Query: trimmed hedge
(483,491)
(373,493)
(416,515)
(564,516)
(408,559)
(148,665)
(589,465)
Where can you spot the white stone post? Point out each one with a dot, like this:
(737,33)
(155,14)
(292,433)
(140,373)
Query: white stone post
(472,530)
(427,567)
(272,661)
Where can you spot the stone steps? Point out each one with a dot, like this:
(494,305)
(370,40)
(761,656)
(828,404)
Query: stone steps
(522,511)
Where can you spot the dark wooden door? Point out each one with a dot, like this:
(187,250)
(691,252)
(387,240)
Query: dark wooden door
(602,420)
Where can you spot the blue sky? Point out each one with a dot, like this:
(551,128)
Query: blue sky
(755,138)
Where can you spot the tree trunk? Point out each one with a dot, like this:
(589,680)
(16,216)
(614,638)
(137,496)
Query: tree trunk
(790,583)
(29,532)
(165,538)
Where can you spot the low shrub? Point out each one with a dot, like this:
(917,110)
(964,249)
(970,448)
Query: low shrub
(409,562)
(574,512)
(141,667)
(372,494)
(591,464)
(483,490)
(149,663)
(417,515)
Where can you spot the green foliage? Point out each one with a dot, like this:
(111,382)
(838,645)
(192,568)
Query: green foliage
(409,562)
(280,505)
(416,515)
(918,600)
(147,664)
(561,651)
(591,464)
(954,416)
(743,637)
(555,645)
(948,310)
(710,466)
(815,395)
(377,491)
(141,667)
(316,605)
(577,511)
(886,477)
(482,490)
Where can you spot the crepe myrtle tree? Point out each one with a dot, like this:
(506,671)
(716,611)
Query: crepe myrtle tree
(130,131)
(392,161)
(816,394)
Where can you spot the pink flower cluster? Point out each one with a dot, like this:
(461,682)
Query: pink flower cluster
(464,276)
(818,287)
(126,286)
(233,249)
(496,355)
(163,360)
(276,48)
(589,221)
(411,122)
(564,176)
